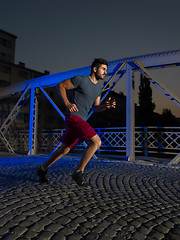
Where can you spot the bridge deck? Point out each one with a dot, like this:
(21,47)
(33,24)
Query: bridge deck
(125,200)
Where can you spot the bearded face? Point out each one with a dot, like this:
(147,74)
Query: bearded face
(100,72)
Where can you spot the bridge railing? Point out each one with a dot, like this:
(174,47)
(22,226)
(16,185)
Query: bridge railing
(148,140)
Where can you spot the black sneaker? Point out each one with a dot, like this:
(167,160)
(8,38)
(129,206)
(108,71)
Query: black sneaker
(41,174)
(79,178)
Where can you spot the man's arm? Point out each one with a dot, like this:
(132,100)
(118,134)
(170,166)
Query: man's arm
(62,87)
(110,103)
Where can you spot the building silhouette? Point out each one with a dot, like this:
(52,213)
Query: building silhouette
(11,73)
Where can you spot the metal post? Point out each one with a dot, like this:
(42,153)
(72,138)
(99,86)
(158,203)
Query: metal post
(33,123)
(145,142)
(130,121)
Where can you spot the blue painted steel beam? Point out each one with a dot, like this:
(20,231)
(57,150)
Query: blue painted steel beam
(32,123)
(130,115)
(52,102)
(157,59)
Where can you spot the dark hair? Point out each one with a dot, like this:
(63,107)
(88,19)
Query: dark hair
(98,62)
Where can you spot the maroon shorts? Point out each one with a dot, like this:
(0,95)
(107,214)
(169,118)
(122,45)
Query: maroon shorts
(77,129)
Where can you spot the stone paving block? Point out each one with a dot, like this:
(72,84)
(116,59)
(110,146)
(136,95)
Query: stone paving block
(135,223)
(11,224)
(63,220)
(91,236)
(109,232)
(145,231)
(82,230)
(26,223)
(74,237)
(176,220)
(149,216)
(30,212)
(89,215)
(19,218)
(3,222)
(53,227)
(111,219)
(58,236)
(122,213)
(176,229)
(121,222)
(73,225)
(96,210)
(33,218)
(90,224)
(80,219)
(159,220)
(150,224)
(66,231)
(162,229)
(116,227)
(98,229)
(10,236)
(30,234)
(104,237)
(40,225)
(169,224)
(54,215)
(71,215)
(45,235)
(104,223)
(19,230)
(3,231)
(138,236)
(172,236)
(156,235)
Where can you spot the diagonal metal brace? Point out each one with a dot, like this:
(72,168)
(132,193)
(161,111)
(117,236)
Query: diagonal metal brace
(6,143)
(118,68)
(14,111)
(158,84)
(175,160)
(9,120)
(52,102)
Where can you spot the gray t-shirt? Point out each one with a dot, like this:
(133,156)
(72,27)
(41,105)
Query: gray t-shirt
(85,92)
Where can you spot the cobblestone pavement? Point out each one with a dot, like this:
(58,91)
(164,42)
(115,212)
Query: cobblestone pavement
(124,201)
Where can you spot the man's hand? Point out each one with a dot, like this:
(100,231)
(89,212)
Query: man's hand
(72,107)
(110,103)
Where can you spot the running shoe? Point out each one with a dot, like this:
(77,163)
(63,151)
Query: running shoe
(41,174)
(79,178)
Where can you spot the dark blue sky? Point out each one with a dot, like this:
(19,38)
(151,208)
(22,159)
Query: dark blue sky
(59,35)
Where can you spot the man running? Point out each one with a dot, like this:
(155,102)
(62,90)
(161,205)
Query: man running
(86,94)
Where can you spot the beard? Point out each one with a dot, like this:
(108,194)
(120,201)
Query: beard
(99,76)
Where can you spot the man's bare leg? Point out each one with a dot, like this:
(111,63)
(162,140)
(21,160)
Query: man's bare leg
(94,144)
(42,170)
(56,156)
(78,175)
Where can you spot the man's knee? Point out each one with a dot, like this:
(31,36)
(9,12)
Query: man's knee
(96,141)
(99,143)
(64,150)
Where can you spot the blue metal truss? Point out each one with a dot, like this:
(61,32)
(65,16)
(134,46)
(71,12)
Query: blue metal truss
(116,67)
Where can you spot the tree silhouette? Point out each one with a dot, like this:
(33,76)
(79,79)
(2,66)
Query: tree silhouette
(167,118)
(146,106)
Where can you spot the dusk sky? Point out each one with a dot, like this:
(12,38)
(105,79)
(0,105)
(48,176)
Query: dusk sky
(59,35)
